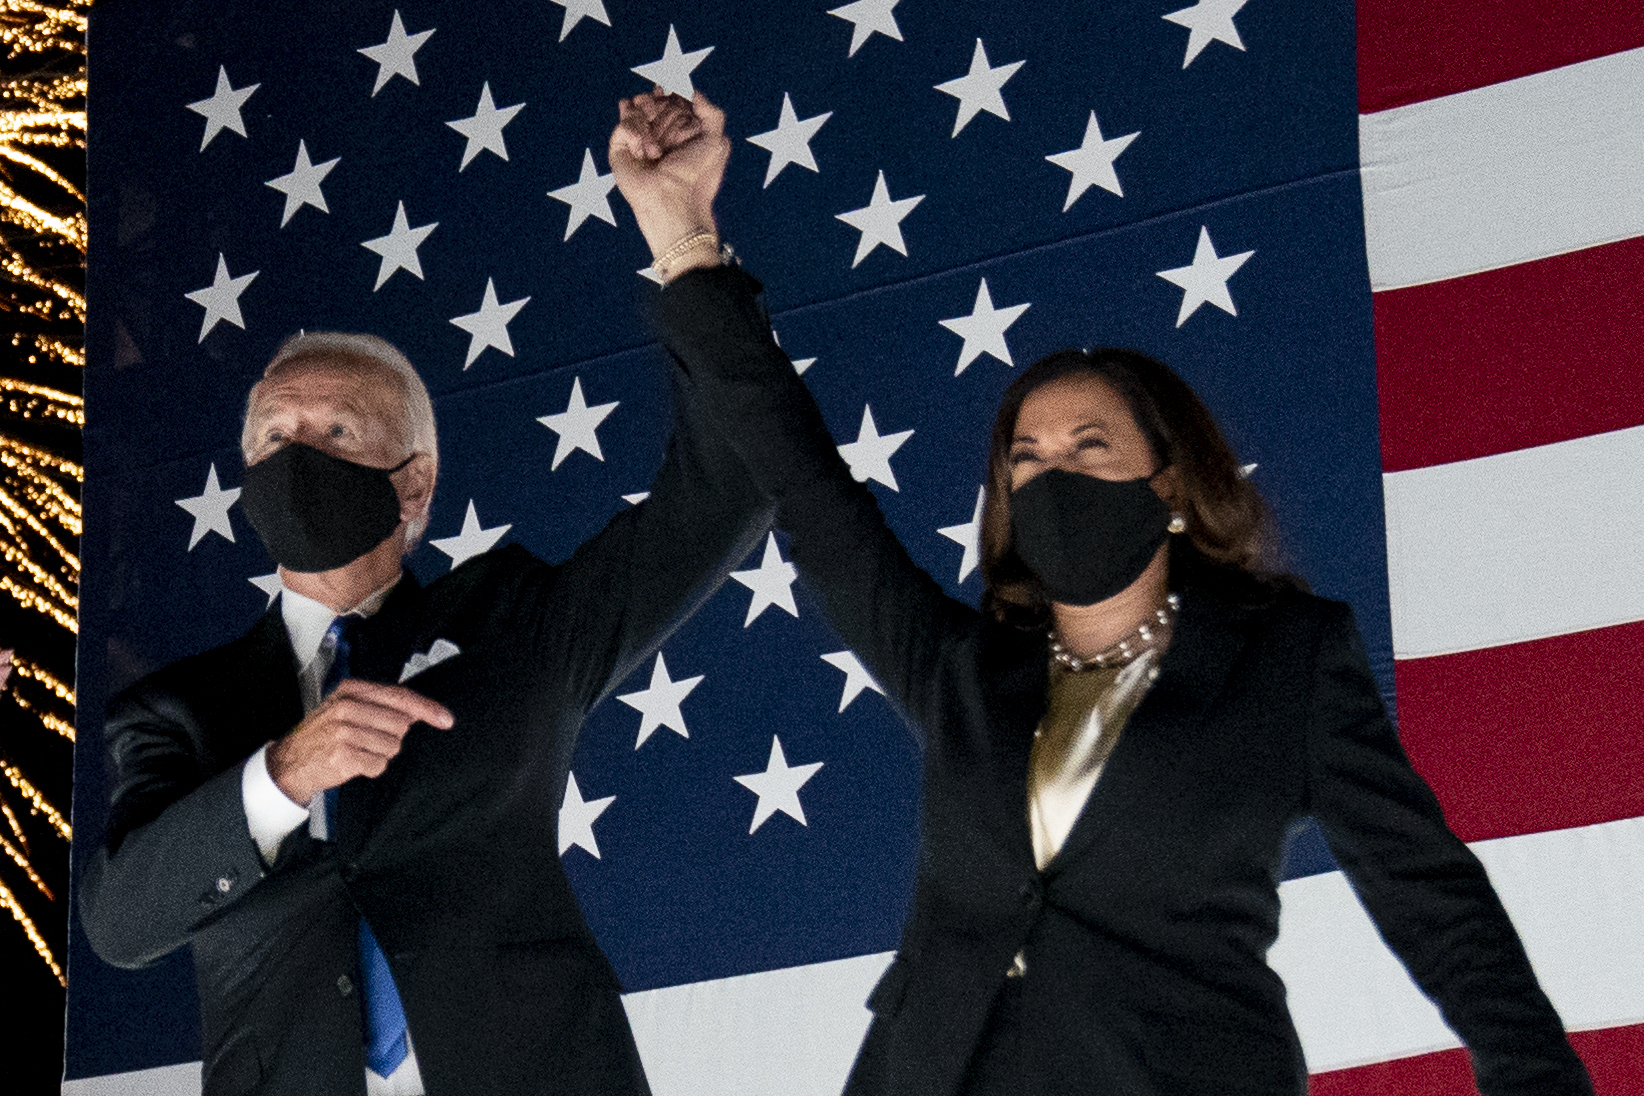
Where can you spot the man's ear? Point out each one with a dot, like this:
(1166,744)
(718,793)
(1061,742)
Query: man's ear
(415,485)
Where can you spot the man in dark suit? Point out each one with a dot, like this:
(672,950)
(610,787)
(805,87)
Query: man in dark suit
(349,813)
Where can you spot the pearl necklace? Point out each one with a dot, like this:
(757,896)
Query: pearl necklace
(1147,635)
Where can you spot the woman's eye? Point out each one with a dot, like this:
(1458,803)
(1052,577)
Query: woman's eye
(1092,443)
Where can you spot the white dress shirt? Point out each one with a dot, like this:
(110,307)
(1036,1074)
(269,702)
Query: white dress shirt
(271,816)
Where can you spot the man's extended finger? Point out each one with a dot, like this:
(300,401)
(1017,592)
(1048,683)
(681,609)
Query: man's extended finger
(398,697)
(356,712)
(360,738)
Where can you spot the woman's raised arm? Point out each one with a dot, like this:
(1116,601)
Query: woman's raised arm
(894,616)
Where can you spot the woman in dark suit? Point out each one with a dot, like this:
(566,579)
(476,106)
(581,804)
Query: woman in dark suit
(1116,744)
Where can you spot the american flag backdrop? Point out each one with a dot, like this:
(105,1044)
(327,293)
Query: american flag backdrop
(1396,249)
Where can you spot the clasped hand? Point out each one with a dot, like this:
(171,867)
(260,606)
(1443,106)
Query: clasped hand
(668,154)
(356,731)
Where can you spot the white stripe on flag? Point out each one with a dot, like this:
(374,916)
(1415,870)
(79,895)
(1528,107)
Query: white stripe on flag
(1576,896)
(1504,174)
(1517,546)
(179,1080)
(792,1031)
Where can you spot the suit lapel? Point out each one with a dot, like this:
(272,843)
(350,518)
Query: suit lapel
(1015,683)
(268,694)
(1211,633)
(270,681)
(379,648)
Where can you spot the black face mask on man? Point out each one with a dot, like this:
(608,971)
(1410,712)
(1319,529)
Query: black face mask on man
(317,512)
(1086,538)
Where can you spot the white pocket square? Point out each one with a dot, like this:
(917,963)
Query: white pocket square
(418,662)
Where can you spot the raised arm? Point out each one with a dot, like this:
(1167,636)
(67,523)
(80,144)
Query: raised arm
(607,609)
(625,590)
(1425,890)
(894,616)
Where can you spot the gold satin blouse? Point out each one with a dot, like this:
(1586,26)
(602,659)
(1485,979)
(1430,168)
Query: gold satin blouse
(1086,712)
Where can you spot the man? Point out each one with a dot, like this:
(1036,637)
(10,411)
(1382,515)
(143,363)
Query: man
(349,812)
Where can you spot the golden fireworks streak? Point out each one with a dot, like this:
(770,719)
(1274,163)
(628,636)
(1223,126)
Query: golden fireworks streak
(42,250)
(22,861)
(72,229)
(9,901)
(61,123)
(35,672)
(16,826)
(37,802)
(32,600)
(54,26)
(43,110)
(49,721)
(10,384)
(44,458)
(34,401)
(39,675)
(39,513)
(45,585)
(29,518)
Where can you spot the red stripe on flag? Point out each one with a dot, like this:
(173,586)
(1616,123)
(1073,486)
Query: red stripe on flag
(1414,51)
(1507,359)
(1529,737)
(1447,1073)
(1614,1057)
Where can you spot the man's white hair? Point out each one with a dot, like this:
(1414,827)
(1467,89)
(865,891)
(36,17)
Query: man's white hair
(354,354)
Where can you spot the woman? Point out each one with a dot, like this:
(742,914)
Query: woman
(1117,743)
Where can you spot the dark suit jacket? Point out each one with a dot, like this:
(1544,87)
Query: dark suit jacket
(1146,937)
(450,854)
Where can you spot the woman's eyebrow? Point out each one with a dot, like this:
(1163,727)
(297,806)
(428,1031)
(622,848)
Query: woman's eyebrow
(1082,428)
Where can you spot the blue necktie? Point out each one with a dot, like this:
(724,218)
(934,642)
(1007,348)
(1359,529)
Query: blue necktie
(385,1042)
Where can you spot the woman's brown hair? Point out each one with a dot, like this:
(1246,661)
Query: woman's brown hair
(1229,529)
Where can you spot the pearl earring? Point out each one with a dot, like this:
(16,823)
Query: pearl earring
(1178,523)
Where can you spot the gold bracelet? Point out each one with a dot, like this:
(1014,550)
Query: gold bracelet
(682,247)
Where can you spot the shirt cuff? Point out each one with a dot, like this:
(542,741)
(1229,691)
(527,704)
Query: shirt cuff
(268,813)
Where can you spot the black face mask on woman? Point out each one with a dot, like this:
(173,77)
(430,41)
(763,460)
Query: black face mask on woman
(1086,538)
(316,512)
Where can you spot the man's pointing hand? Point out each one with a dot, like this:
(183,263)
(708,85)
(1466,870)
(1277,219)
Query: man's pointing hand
(355,731)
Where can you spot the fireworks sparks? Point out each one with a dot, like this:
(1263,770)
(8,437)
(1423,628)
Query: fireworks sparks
(9,901)
(42,300)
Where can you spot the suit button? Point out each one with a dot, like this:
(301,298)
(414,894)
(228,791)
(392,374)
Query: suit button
(1029,894)
(224,885)
(351,871)
(345,985)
